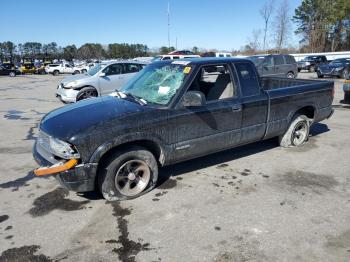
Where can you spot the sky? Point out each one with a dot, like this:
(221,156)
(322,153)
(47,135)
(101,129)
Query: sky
(220,24)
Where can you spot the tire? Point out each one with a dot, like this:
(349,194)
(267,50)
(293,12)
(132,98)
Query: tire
(312,69)
(76,72)
(117,179)
(56,73)
(319,76)
(297,133)
(347,97)
(86,93)
(345,74)
(290,75)
(12,74)
(83,71)
(299,70)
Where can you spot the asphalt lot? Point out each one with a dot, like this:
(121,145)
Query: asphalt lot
(254,203)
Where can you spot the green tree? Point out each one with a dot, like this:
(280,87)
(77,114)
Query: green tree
(70,52)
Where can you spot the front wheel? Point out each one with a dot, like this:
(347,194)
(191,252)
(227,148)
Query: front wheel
(128,174)
(312,69)
(345,74)
(56,73)
(297,133)
(83,71)
(87,92)
(12,74)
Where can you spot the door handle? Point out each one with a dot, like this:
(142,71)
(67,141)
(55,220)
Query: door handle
(236,108)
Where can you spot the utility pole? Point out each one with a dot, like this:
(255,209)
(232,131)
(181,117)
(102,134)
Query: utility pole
(168,25)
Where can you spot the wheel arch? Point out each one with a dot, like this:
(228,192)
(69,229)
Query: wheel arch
(106,149)
(309,111)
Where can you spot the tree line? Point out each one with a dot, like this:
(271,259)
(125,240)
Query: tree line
(35,50)
(322,26)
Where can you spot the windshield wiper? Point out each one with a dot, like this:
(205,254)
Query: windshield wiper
(136,98)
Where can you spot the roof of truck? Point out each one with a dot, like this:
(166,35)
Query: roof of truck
(203,60)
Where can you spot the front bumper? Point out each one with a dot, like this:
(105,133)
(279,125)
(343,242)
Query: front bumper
(329,73)
(66,95)
(81,178)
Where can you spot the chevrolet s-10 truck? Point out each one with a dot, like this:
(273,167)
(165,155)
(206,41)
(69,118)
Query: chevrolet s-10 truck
(169,112)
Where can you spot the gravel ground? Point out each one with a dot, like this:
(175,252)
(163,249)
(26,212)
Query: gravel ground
(258,202)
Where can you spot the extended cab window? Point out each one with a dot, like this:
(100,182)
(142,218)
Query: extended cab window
(214,82)
(115,69)
(248,79)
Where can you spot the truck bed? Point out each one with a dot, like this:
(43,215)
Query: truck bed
(272,83)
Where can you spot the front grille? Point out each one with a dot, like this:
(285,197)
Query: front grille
(326,71)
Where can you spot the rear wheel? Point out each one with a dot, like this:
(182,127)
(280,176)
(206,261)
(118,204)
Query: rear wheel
(290,75)
(87,92)
(83,71)
(297,133)
(12,74)
(128,174)
(76,72)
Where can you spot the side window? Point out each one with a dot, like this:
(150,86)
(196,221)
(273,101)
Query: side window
(268,61)
(132,68)
(248,79)
(278,60)
(115,69)
(176,57)
(166,58)
(214,82)
(289,59)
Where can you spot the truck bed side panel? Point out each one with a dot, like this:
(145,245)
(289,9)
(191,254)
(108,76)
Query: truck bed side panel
(285,102)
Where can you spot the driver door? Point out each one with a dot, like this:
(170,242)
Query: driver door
(67,68)
(213,126)
(112,80)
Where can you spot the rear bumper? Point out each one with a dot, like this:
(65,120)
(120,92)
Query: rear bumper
(81,178)
(304,67)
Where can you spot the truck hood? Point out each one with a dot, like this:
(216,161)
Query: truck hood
(86,116)
(74,78)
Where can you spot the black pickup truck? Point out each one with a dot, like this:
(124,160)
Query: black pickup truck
(170,112)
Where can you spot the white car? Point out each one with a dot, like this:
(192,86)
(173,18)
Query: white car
(83,68)
(62,68)
(102,79)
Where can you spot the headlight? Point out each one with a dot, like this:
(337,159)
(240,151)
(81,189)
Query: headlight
(57,147)
(307,63)
(339,68)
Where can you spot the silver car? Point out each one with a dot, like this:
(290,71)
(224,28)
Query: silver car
(100,80)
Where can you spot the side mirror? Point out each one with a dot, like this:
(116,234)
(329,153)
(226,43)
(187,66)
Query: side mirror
(193,98)
(102,74)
